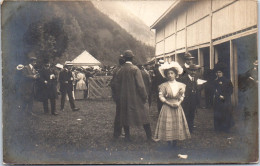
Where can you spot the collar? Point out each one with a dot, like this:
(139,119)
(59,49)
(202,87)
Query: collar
(31,66)
(172,82)
(129,62)
(190,77)
(186,65)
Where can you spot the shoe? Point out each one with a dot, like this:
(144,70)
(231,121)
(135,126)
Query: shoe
(128,139)
(115,139)
(174,144)
(150,141)
(32,114)
(54,113)
(75,109)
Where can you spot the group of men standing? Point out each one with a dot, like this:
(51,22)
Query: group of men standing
(42,84)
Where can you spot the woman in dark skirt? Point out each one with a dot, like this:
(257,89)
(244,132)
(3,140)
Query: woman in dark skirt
(223,90)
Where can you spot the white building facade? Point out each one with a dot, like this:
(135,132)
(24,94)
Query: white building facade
(212,31)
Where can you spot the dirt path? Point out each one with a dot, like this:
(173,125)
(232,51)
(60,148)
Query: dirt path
(86,137)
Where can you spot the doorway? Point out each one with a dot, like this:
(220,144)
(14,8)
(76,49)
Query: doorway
(222,55)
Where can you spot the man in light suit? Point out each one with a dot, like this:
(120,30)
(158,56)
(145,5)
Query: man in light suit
(29,75)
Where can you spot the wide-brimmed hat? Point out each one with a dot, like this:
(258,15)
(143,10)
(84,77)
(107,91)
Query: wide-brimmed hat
(60,66)
(32,58)
(20,67)
(256,63)
(128,54)
(170,65)
(220,67)
(188,56)
(193,67)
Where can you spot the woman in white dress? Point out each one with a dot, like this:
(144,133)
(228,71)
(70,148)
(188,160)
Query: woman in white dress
(172,124)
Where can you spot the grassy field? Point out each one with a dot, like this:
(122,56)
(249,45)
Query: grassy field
(86,137)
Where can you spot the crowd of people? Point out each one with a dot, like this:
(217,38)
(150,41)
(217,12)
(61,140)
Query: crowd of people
(44,82)
(178,93)
(177,89)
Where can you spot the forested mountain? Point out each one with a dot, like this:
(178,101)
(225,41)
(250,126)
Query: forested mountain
(131,23)
(60,31)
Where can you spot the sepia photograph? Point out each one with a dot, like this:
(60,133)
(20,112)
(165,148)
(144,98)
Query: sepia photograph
(130,82)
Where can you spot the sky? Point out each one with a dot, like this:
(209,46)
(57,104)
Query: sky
(148,11)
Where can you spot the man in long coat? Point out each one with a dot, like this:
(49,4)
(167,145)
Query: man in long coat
(29,75)
(191,99)
(66,86)
(117,126)
(132,97)
(48,88)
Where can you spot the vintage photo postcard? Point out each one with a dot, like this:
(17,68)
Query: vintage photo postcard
(130,82)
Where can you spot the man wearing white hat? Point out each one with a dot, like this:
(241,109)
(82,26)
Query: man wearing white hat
(18,81)
(27,85)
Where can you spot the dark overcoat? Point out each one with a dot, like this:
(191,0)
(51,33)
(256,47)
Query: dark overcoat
(147,83)
(48,90)
(113,83)
(66,80)
(132,96)
(185,71)
(27,84)
(157,80)
(191,99)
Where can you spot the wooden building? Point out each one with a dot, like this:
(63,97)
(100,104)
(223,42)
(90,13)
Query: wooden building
(212,31)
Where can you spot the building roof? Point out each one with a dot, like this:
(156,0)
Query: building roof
(85,59)
(164,16)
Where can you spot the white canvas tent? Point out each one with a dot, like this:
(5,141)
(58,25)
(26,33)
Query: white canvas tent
(85,59)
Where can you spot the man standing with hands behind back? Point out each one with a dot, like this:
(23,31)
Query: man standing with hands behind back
(66,86)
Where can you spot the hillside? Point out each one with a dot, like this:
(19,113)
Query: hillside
(60,31)
(132,24)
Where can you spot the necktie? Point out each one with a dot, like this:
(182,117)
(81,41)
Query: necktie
(193,85)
